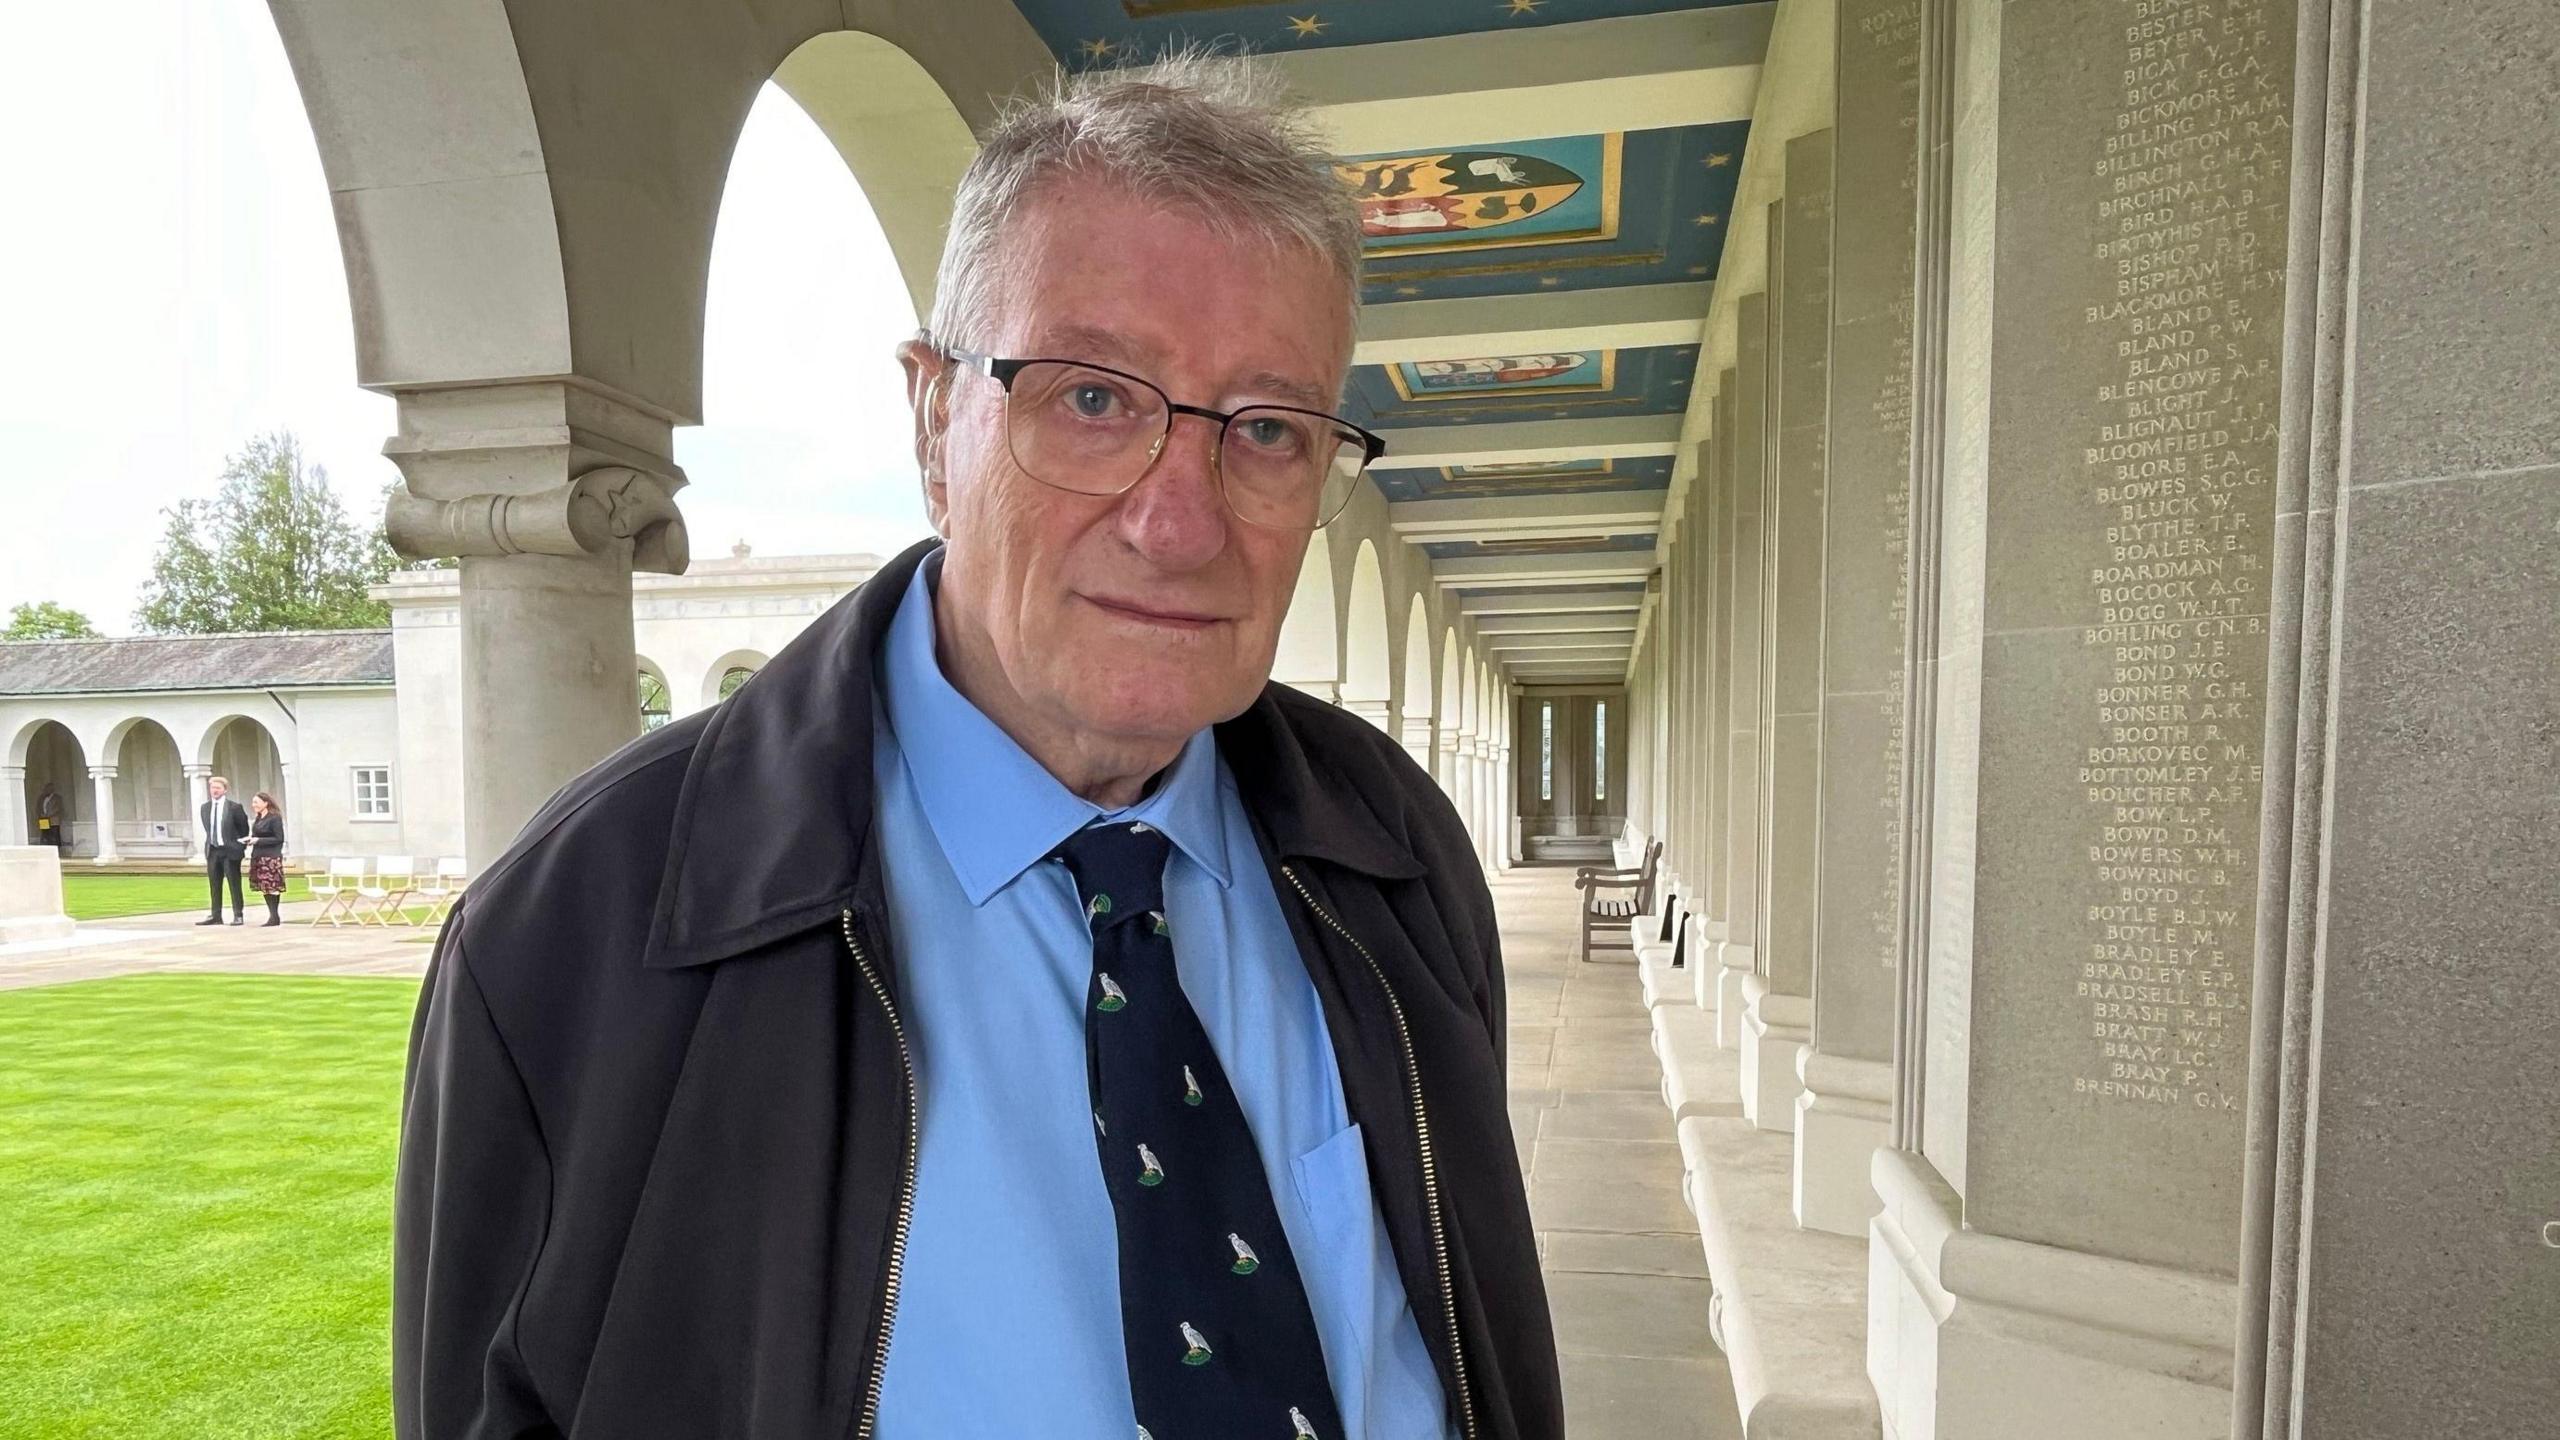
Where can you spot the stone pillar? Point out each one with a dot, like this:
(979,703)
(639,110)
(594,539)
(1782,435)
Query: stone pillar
(551,494)
(1778,1003)
(1376,712)
(1416,738)
(103,778)
(198,792)
(1445,760)
(1718,983)
(2057,1256)
(1739,881)
(16,826)
(1463,795)
(2401,1275)
(1704,640)
(1846,1110)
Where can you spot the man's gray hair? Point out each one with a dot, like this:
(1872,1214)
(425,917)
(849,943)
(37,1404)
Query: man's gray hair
(1212,136)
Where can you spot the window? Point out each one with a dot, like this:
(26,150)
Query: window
(654,710)
(1600,751)
(732,678)
(1546,749)
(373,792)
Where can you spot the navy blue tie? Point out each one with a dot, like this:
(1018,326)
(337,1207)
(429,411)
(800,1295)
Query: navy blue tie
(1220,1340)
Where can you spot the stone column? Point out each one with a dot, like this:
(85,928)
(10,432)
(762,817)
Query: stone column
(15,826)
(2401,1275)
(1416,738)
(1778,1002)
(2057,1256)
(1707,721)
(1846,1109)
(1718,983)
(1465,790)
(198,792)
(1445,760)
(1376,712)
(1739,881)
(551,494)
(103,778)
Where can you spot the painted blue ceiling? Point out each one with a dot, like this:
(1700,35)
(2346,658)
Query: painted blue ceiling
(1632,589)
(1566,385)
(1568,477)
(1543,545)
(1645,207)
(1088,33)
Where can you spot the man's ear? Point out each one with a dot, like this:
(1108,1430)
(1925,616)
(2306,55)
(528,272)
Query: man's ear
(928,374)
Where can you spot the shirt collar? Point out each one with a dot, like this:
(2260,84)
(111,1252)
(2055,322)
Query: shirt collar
(993,809)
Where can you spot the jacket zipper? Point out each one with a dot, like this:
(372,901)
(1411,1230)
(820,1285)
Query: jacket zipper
(906,1191)
(1430,1165)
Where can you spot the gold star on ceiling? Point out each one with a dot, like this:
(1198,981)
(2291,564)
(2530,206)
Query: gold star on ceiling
(1549,280)
(1697,269)
(1305,29)
(1098,49)
(1408,289)
(1525,7)
(1718,162)
(1706,220)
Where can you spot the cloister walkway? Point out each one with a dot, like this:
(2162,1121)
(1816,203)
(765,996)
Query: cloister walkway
(1625,1274)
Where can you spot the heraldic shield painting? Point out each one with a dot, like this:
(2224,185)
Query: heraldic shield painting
(1528,192)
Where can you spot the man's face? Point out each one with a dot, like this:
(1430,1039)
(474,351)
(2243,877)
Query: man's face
(1146,615)
(219,789)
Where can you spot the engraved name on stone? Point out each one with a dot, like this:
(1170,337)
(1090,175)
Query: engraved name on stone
(2188,199)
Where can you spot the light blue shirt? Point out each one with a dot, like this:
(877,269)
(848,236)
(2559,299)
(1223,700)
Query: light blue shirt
(1009,1313)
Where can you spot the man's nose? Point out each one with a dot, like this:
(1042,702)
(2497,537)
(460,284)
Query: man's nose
(1175,515)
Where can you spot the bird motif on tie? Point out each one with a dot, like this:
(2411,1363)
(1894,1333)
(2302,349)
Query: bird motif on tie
(1197,1187)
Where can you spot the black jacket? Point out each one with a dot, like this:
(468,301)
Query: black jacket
(266,835)
(235,824)
(659,1129)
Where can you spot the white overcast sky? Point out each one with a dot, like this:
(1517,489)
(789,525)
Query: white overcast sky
(170,285)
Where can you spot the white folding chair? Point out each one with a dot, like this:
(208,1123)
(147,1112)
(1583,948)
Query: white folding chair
(336,890)
(395,879)
(443,886)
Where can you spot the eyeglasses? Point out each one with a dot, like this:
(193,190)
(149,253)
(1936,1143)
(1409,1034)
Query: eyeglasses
(1093,430)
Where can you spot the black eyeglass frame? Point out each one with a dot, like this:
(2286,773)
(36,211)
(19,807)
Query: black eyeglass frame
(1003,371)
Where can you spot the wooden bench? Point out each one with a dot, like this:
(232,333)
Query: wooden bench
(1603,914)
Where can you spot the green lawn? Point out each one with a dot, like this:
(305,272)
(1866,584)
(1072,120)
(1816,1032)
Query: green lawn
(107,897)
(110,897)
(195,1191)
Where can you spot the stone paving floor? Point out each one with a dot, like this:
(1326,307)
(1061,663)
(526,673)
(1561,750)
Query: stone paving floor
(1626,1278)
(1625,1275)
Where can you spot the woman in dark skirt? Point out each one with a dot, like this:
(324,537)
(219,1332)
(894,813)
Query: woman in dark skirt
(266,852)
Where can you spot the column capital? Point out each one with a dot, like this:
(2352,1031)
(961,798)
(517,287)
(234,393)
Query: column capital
(196,772)
(13,772)
(102,772)
(548,467)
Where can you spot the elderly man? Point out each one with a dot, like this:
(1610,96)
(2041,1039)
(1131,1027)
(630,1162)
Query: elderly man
(1012,1014)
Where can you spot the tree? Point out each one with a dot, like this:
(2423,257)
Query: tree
(272,550)
(44,620)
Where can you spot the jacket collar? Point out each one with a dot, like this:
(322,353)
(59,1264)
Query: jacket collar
(772,828)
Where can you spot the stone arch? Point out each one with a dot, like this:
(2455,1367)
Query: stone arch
(51,751)
(656,700)
(516,201)
(1368,671)
(715,679)
(245,751)
(1309,656)
(1416,701)
(899,132)
(155,803)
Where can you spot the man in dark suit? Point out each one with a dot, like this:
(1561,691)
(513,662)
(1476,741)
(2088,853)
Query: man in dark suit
(226,829)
